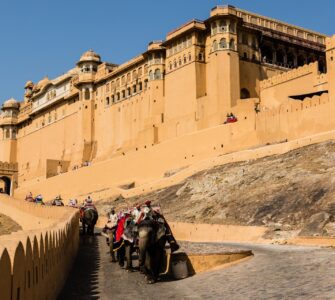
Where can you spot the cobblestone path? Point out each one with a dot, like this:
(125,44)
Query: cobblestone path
(275,272)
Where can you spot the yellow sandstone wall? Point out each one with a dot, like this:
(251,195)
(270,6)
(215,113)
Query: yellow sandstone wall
(34,263)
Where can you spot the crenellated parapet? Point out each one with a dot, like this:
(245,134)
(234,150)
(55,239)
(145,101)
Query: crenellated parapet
(290,75)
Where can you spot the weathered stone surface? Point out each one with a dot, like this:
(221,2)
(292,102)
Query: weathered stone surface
(316,224)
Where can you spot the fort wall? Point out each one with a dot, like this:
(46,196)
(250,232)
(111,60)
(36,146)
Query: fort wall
(34,263)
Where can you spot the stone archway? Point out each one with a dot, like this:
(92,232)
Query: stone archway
(8,177)
(6,185)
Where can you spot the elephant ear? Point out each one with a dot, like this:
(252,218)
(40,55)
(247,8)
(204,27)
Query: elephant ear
(161,231)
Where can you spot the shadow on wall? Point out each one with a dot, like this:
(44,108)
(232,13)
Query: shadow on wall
(33,264)
(83,279)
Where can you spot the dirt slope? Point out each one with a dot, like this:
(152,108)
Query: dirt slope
(294,191)
(7,225)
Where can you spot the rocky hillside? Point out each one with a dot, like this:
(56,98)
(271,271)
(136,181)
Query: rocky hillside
(294,191)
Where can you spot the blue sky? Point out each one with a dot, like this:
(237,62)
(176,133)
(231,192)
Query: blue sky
(44,37)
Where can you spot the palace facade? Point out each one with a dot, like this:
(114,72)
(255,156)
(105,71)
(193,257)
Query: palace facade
(189,82)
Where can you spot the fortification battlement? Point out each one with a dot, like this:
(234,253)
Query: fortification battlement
(32,264)
(330,43)
(287,76)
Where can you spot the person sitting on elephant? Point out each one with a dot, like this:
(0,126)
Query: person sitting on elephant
(30,197)
(89,204)
(158,216)
(39,200)
(57,201)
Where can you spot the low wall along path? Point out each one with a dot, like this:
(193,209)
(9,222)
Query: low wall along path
(34,262)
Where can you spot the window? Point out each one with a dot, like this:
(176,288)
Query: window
(129,92)
(140,86)
(175,63)
(214,28)
(123,80)
(245,55)
(170,66)
(185,59)
(134,75)
(223,43)
(107,101)
(128,77)
(201,56)
(232,44)
(140,71)
(13,134)
(179,61)
(245,94)
(223,26)
(215,45)
(117,96)
(145,83)
(134,88)
(244,39)
(123,94)
(107,87)
(158,74)
(232,27)
(7,133)
(87,94)
(113,98)
(189,56)
(151,75)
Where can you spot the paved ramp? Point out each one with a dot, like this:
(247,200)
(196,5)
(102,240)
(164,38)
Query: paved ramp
(276,272)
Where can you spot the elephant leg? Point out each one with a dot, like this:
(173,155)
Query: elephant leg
(120,255)
(128,253)
(143,242)
(111,245)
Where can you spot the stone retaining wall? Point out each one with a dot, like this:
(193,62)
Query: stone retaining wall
(34,264)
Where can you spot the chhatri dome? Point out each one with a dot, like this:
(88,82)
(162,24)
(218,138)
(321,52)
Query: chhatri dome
(11,103)
(90,56)
(29,84)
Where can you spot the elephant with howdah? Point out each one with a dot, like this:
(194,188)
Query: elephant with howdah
(152,239)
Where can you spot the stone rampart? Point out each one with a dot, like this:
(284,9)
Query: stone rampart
(34,263)
(311,68)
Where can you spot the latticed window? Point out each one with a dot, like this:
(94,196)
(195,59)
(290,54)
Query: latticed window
(223,43)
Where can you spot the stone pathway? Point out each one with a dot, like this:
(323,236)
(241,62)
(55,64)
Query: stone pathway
(276,272)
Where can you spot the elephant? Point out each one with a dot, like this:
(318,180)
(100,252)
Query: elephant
(89,218)
(152,240)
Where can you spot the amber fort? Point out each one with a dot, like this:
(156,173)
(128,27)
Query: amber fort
(234,87)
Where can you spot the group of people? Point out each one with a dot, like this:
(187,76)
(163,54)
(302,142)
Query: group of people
(121,228)
(57,201)
(231,118)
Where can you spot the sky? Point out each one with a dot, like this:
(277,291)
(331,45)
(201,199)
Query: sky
(41,38)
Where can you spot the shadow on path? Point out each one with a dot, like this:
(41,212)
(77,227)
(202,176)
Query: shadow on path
(82,282)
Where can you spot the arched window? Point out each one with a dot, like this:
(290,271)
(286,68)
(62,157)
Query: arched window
(175,64)
(201,56)
(87,94)
(117,96)
(151,75)
(232,44)
(113,98)
(267,54)
(140,71)
(280,57)
(214,28)
(232,27)
(245,94)
(223,43)
(215,45)
(189,56)
(140,86)
(14,134)
(223,26)
(7,133)
(185,59)
(134,88)
(170,66)
(123,94)
(128,92)
(301,60)
(145,83)
(158,74)
(107,101)
(179,61)
(290,60)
